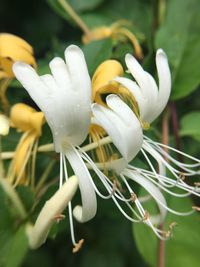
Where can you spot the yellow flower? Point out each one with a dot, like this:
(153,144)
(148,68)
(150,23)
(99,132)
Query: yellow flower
(117,31)
(12,49)
(29,121)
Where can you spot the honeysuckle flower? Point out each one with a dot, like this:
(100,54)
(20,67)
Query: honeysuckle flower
(149,103)
(29,121)
(117,31)
(65,99)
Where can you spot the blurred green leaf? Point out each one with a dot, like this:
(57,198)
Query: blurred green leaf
(179,37)
(85,5)
(17,249)
(190,125)
(96,52)
(26,195)
(183,247)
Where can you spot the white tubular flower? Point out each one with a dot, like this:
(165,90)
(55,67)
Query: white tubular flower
(65,98)
(51,212)
(151,100)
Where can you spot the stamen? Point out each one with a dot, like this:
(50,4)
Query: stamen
(59,217)
(146,216)
(78,246)
(61,170)
(133,197)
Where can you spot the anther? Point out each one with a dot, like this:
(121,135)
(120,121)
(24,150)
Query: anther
(59,217)
(196,208)
(146,216)
(182,176)
(133,197)
(168,233)
(78,246)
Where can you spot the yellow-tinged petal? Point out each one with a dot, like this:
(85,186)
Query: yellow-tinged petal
(4,125)
(21,157)
(12,49)
(103,76)
(26,118)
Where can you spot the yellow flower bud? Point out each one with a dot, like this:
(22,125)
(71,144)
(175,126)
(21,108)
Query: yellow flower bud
(12,49)
(26,118)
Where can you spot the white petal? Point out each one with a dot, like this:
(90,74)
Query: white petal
(139,75)
(164,76)
(153,191)
(31,82)
(60,72)
(135,90)
(88,196)
(121,124)
(78,71)
(38,233)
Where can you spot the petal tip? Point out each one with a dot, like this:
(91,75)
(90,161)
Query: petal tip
(160,52)
(73,48)
(20,66)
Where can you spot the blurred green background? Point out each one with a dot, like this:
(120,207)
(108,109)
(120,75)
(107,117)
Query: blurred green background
(110,240)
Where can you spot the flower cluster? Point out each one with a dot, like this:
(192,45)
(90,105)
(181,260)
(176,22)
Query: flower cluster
(113,111)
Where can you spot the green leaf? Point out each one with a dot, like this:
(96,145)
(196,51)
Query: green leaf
(184,245)
(17,249)
(190,125)
(179,37)
(85,5)
(96,52)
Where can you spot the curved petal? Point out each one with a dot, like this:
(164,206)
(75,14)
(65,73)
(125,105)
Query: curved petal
(38,233)
(32,83)
(78,71)
(121,124)
(164,76)
(89,203)
(60,72)
(153,191)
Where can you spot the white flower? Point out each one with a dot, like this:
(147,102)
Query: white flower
(151,103)
(65,99)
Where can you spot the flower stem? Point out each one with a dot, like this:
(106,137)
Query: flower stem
(165,141)
(65,5)
(176,128)
(12,194)
(50,147)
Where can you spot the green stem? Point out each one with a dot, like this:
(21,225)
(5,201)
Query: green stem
(50,147)
(12,194)
(65,5)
